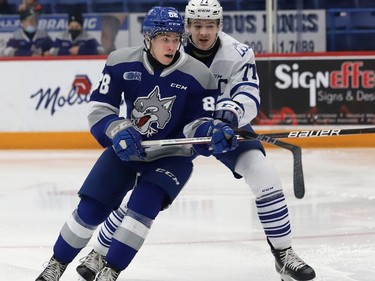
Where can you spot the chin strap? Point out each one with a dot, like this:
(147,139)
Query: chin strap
(147,46)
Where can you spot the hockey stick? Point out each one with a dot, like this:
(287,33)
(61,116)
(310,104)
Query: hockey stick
(298,178)
(271,138)
(320,133)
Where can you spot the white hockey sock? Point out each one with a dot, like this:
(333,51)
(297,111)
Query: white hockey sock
(274,217)
(263,180)
(107,230)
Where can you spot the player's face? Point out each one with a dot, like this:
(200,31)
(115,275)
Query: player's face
(164,47)
(203,33)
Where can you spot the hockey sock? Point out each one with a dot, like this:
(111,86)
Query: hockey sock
(79,228)
(144,205)
(263,180)
(92,212)
(274,217)
(107,230)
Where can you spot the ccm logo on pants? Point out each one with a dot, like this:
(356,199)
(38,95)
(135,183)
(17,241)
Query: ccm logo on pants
(169,174)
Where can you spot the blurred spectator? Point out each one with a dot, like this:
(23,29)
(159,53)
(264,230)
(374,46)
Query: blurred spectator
(27,5)
(110,27)
(28,40)
(75,40)
(6,8)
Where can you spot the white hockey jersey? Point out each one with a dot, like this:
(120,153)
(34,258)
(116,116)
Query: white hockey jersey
(234,69)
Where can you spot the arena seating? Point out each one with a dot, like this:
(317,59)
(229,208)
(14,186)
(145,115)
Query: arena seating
(350,23)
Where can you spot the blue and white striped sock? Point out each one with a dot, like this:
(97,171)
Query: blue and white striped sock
(274,217)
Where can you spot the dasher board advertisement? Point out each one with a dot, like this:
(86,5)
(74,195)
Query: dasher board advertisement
(47,95)
(317,90)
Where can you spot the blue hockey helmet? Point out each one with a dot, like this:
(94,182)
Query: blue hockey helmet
(161,20)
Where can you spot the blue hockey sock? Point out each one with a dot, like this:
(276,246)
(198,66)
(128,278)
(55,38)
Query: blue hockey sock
(79,228)
(144,205)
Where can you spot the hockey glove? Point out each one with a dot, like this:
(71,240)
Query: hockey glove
(223,138)
(204,130)
(229,111)
(126,140)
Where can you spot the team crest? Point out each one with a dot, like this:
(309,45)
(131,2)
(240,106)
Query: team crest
(241,48)
(151,109)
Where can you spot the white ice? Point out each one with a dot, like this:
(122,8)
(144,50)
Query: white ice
(211,232)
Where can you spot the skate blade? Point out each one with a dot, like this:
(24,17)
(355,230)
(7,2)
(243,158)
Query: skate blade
(283,278)
(80,278)
(288,278)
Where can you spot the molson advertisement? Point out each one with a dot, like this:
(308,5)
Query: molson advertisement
(319,90)
(49,95)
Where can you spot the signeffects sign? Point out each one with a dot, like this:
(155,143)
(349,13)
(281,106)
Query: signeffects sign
(318,90)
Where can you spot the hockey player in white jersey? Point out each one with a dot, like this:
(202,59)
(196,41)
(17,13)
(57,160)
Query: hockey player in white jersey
(145,77)
(233,65)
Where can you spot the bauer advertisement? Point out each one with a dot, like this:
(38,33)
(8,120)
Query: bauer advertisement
(317,91)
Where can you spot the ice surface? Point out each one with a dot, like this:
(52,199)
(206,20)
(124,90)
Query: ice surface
(211,232)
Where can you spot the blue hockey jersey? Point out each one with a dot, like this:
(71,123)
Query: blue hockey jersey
(169,103)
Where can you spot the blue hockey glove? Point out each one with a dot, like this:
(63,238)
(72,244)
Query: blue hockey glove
(223,138)
(126,140)
(229,111)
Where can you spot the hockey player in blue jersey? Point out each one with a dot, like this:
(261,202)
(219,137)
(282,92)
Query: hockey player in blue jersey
(29,40)
(167,94)
(233,65)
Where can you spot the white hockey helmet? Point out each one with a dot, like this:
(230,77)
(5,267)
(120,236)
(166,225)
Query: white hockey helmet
(204,9)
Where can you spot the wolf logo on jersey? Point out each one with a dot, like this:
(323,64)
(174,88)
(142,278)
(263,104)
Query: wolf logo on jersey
(151,109)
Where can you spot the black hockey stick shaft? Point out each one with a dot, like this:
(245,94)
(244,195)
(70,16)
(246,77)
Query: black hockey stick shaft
(273,138)
(298,177)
